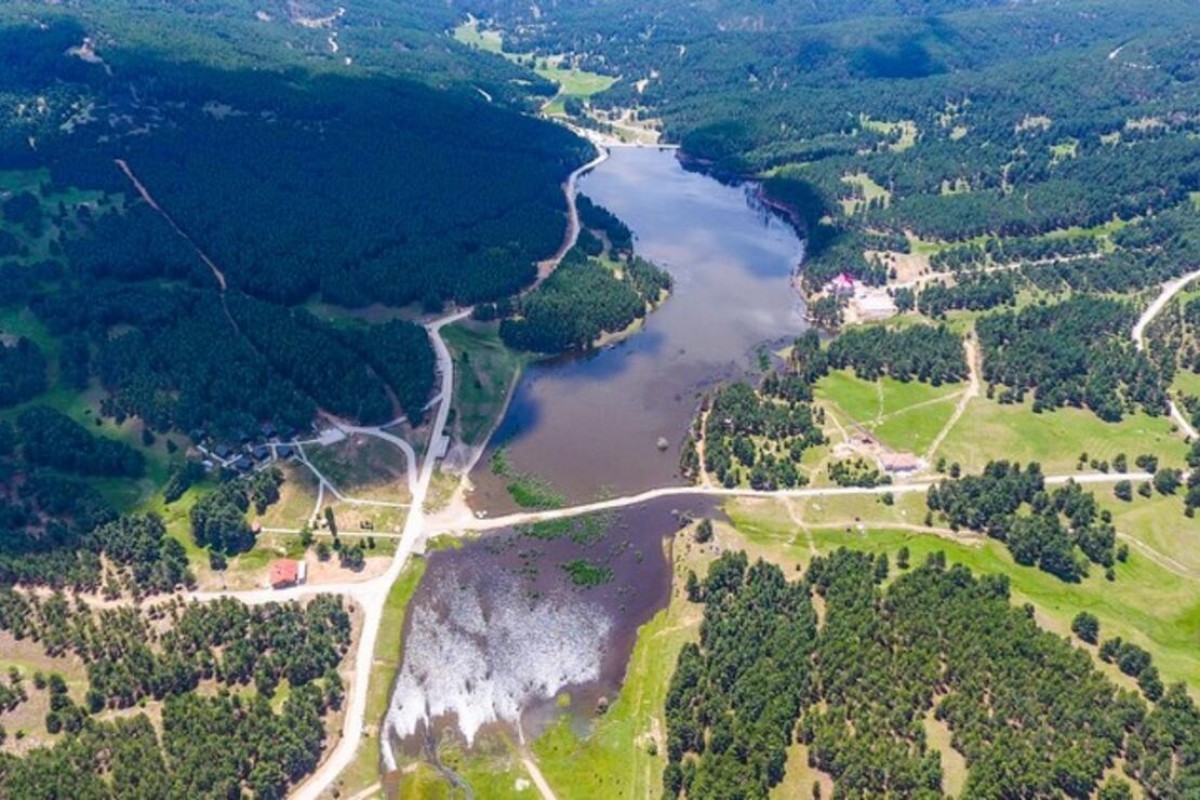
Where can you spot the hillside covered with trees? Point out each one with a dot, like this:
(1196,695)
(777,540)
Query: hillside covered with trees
(242,160)
(860,685)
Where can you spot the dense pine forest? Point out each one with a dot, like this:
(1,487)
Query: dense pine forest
(857,666)
(221,743)
(245,161)
(882,123)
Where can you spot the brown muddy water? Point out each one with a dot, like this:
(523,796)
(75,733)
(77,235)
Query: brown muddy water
(589,425)
(499,631)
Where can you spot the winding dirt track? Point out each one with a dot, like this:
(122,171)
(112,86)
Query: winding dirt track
(1169,290)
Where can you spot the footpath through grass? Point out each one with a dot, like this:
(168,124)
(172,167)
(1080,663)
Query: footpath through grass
(903,416)
(1055,439)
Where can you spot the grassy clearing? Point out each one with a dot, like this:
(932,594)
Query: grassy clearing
(485,370)
(1064,149)
(869,189)
(1152,606)
(575,82)
(903,416)
(364,770)
(799,778)
(470,34)
(954,764)
(915,430)
(297,498)
(571,82)
(364,467)
(906,128)
(1159,523)
(1056,439)
(1187,382)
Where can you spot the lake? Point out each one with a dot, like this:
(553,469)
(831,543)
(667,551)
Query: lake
(590,424)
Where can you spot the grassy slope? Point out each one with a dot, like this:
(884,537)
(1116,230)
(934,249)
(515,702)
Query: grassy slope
(1055,439)
(484,371)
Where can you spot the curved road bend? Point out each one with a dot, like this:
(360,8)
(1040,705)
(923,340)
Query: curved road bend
(1170,289)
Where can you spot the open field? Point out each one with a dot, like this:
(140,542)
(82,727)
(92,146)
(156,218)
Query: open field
(1055,439)
(903,416)
(485,371)
(575,82)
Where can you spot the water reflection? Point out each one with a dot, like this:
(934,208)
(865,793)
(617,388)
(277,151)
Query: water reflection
(592,422)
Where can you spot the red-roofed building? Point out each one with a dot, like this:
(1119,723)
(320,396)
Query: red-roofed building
(284,573)
(842,285)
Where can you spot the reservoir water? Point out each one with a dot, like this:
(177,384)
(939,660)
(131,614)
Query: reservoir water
(514,628)
(591,424)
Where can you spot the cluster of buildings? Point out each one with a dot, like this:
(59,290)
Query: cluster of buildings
(251,452)
(863,303)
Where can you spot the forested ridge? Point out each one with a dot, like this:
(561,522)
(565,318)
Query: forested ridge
(267,156)
(860,684)
(584,299)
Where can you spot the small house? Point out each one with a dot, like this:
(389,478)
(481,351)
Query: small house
(900,462)
(243,464)
(223,451)
(842,285)
(284,573)
(261,452)
(268,429)
(284,451)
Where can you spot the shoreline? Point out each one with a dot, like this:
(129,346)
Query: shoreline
(612,338)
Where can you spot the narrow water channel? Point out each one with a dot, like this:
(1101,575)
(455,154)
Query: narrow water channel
(592,424)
